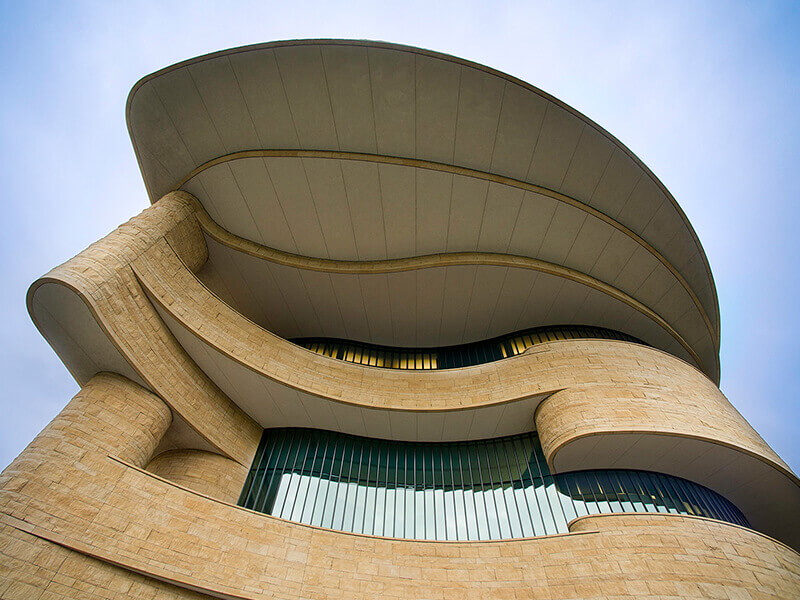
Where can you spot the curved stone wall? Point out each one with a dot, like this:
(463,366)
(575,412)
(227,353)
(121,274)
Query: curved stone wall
(204,472)
(87,511)
(599,389)
(672,408)
(706,559)
(691,431)
(128,518)
(111,415)
(631,390)
(177,291)
(34,568)
(546,368)
(104,292)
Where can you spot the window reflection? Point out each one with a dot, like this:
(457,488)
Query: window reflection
(489,489)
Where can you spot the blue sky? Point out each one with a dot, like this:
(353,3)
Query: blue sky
(706,94)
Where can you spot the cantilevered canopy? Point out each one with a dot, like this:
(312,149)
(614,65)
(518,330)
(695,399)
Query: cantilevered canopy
(356,151)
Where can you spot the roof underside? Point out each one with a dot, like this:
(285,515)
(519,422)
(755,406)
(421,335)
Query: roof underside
(355,151)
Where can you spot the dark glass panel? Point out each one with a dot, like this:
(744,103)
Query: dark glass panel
(451,357)
(487,489)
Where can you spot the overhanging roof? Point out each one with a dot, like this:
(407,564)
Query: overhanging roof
(355,150)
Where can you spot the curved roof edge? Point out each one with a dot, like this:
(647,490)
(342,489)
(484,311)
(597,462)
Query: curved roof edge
(453,59)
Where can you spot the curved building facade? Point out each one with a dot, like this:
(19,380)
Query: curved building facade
(396,325)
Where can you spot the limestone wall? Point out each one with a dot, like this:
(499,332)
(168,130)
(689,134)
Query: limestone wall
(81,517)
(84,503)
(204,472)
(101,275)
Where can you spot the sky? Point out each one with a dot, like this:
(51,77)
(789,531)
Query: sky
(707,94)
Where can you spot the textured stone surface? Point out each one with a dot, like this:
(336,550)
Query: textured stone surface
(82,499)
(666,407)
(35,569)
(689,402)
(80,517)
(204,472)
(102,276)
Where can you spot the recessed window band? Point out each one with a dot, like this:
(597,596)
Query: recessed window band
(477,490)
(453,357)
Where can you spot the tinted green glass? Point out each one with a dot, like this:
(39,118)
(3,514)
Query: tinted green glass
(489,489)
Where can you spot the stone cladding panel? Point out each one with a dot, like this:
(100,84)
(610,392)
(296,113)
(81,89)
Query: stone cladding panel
(102,276)
(684,400)
(99,506)
(81,518)
(205,472)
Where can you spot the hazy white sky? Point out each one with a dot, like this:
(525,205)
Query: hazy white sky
(706,94)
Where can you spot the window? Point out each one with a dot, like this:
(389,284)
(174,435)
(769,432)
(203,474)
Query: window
(477,490)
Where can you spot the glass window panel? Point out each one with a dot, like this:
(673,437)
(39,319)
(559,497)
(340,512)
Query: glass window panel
(624,498)
(338,504)
(643,492)
(470,525)
(565,500)
(664,493)
(481,522)
(699,502)
(267,489)
(470,490)
(609,493)
(599,492)
(678,496)
(304,507)
(284,478)
(543,495)
(571,486)
(489,489)
(256,471)
(381,485)
(546,511)
(439,492)
(519,488)
(633,492)
(370,496)
(683,491)
(404,510)
(350,487)
(511,500)
(342,457)
(322,513)
(357,525)
(652,492)
(262,476)
(533,479)
(719,509)
(453,356)
(554,503)
(506,513)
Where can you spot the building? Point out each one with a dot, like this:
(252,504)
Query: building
(452,335)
